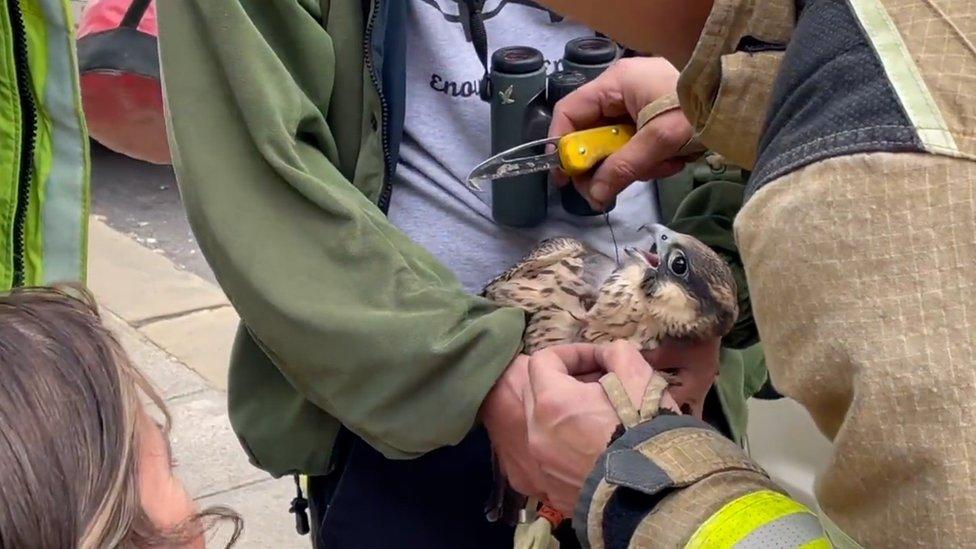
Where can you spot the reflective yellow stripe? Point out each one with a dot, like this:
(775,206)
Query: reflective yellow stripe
(904,76)
(732,523)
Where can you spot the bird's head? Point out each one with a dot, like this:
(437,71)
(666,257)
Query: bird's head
(686,285)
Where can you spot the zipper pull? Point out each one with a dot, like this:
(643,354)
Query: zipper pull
(299,506)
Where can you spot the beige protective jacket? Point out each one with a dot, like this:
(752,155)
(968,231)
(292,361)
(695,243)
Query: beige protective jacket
(859,239)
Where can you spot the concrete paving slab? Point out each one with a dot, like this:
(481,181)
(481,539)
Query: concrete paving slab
(170,378)
(201,340)
(137,284)
(209,458)
(264,508)
(143,201)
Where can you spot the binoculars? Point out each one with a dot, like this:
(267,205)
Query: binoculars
(523,96)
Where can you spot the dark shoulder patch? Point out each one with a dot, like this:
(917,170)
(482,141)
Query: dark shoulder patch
(832,97)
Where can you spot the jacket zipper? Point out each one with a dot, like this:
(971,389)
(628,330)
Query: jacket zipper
(28,119)
(387,189)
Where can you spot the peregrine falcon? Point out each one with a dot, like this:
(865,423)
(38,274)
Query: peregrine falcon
(677,288)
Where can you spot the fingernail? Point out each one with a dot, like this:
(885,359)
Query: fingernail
(600,192)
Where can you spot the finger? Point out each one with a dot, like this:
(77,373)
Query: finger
(648,154)
(591,377)
(551,377)
(671,353)
(528,406)
(584,182)
(625,360)
(593,104)
(559,177)
(572,359)
(668,402)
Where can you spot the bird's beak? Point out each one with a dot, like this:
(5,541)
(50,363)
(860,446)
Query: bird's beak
(662,240)
(649,258)
(654,228)
(652,257)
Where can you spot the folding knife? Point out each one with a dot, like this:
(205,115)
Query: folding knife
(574,153)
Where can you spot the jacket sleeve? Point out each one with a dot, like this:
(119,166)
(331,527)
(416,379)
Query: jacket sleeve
(364,323)
(673,481)
(727,84)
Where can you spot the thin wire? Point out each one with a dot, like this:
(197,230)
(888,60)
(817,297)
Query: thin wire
(616,249)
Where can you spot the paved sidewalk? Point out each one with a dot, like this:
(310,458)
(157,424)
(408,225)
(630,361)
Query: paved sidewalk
(178,329)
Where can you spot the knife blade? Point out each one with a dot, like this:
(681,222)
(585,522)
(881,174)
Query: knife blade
(574,153)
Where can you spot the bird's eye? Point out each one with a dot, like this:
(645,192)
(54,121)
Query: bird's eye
(678,264)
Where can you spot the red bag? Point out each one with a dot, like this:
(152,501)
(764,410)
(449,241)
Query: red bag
(120,87)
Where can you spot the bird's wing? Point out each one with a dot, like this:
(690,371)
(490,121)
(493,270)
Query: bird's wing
(554,284)
(552,272)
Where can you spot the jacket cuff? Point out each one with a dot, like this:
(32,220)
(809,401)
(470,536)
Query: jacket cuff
(648,468)
(726,86)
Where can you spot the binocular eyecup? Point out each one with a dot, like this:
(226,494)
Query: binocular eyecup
(523,96)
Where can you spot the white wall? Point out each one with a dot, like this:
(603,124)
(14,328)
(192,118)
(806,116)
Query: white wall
(784,441)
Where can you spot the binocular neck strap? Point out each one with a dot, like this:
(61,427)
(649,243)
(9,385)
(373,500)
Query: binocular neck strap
(479,37)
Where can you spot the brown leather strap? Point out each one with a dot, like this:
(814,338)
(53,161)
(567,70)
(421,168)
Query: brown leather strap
(661,105)
(667,103)
(620,400)
(652,397)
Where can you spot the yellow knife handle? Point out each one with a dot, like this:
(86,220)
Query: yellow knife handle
(580,151)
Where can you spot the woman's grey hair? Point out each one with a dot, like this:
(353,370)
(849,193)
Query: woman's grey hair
(69,410)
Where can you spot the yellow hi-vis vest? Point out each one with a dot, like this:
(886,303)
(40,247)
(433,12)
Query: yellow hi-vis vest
(44,163)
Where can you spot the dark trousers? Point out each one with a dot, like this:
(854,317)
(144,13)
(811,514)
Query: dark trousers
(435,501)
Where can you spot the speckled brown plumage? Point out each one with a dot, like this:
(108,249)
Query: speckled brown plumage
(572,293)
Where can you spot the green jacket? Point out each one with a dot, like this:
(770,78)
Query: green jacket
(43,147)
(284,121)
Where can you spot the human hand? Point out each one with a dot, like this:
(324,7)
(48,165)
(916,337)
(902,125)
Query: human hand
(694,364)
(570,421)
(621,92)
(503,415)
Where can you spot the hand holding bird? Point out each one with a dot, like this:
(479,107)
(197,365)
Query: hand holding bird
(677,288)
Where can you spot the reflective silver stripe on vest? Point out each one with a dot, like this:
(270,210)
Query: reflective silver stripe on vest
(787,532)
(65,207)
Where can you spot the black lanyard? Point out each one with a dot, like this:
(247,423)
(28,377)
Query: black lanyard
(479,38)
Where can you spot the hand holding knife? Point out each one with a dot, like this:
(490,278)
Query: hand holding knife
(574,153)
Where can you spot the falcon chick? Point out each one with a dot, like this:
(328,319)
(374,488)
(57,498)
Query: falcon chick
(677,288)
